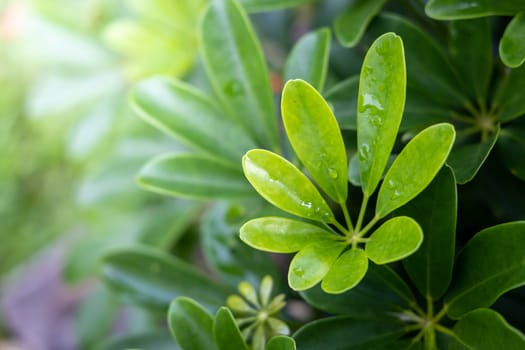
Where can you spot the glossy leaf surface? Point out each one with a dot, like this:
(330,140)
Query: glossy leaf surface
(281,235)
(512,44)
(308,59)
(466,160)
(347,333)
(315,137)
(281,342)
(351,24)
(394,240)
(346,272)
(490,264)
(415,167)
(189,115)
(381,292)
(226,332)
(459,9)
(512,149)
(237,70)
(193,176)
(283,185)
(380,106)
(154,279)
(434,209)
(191,325)
(311,264)
(267,5)
(485,329)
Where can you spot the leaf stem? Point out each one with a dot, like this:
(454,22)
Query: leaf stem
(341,228)
(369,226)
(362,212)
(346,214)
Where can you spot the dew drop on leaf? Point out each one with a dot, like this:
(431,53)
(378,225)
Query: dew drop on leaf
(333,173)
(298,271)
(307,205)
(233,88)
(364,151)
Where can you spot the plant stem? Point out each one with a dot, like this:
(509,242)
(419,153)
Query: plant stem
(369,226)
(362,212)
(348,219)
(341,228)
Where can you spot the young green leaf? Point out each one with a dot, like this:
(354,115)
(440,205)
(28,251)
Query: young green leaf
(187,114)
(415,167)
(351,24)
(311,264)
(435,210)
(315,137)
(191,325)
(237,70)
(512,44)
(346,272)
(380,104)
(490,264)
(193,176)
(226,332)
(459,9)
(281,342)
(308,59)
(485,329)
(281,235)
(283,185)
(394,240)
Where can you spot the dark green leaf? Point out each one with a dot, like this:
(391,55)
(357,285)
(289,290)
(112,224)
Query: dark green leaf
(435,210)
(512,44)
(315,137)
(308,59)
(342,98)
(187,114)
(460,9)
(346,333)
(191,325)
(157,340)
(490,264)
(509,102)
(351,24)
(226,332)
(237,70)
(512,149)
(193,176)
(466,160)
(346,272)
(281,342)
(267,5)
(154,279)
(485,329)
(380,103)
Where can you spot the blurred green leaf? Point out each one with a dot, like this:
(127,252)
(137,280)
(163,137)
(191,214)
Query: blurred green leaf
(267,5)
(490,264)
(346,272)
(415,167)
(281,342)
(193,176)
(226,332)
(511,46)
(154,279)
(308,59)
(191,325)
(461,9)
(315,137)
(158,340)
(351,24)
(342,98)
(511,145)
(237,70)
(485,329)
(508,102)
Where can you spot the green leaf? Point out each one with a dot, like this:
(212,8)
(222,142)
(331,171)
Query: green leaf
(435,210)
(351,24)
(381,293)
(191,325)
(509,102)
(512,44)
(346,272)
(190,116)
(459,9)
(342,98)
(415,167)
(485,329)
(158,340)
(193,176)
(347,333)
(308,59)
(237,70)
(267,5)
(471,50)
(280,235)
(283,185)
(394,240)
(490,264)
(512,149)
(380,103)
(466,160)
(226,332)
(315,137)
(311,264)
(151,278)
(281,342)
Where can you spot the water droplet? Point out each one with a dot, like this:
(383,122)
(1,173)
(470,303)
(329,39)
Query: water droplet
(391,184)
(233,88)
(307,205)
(298,271)
(364,151)
(395,195)
(371,101)
(333,173)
